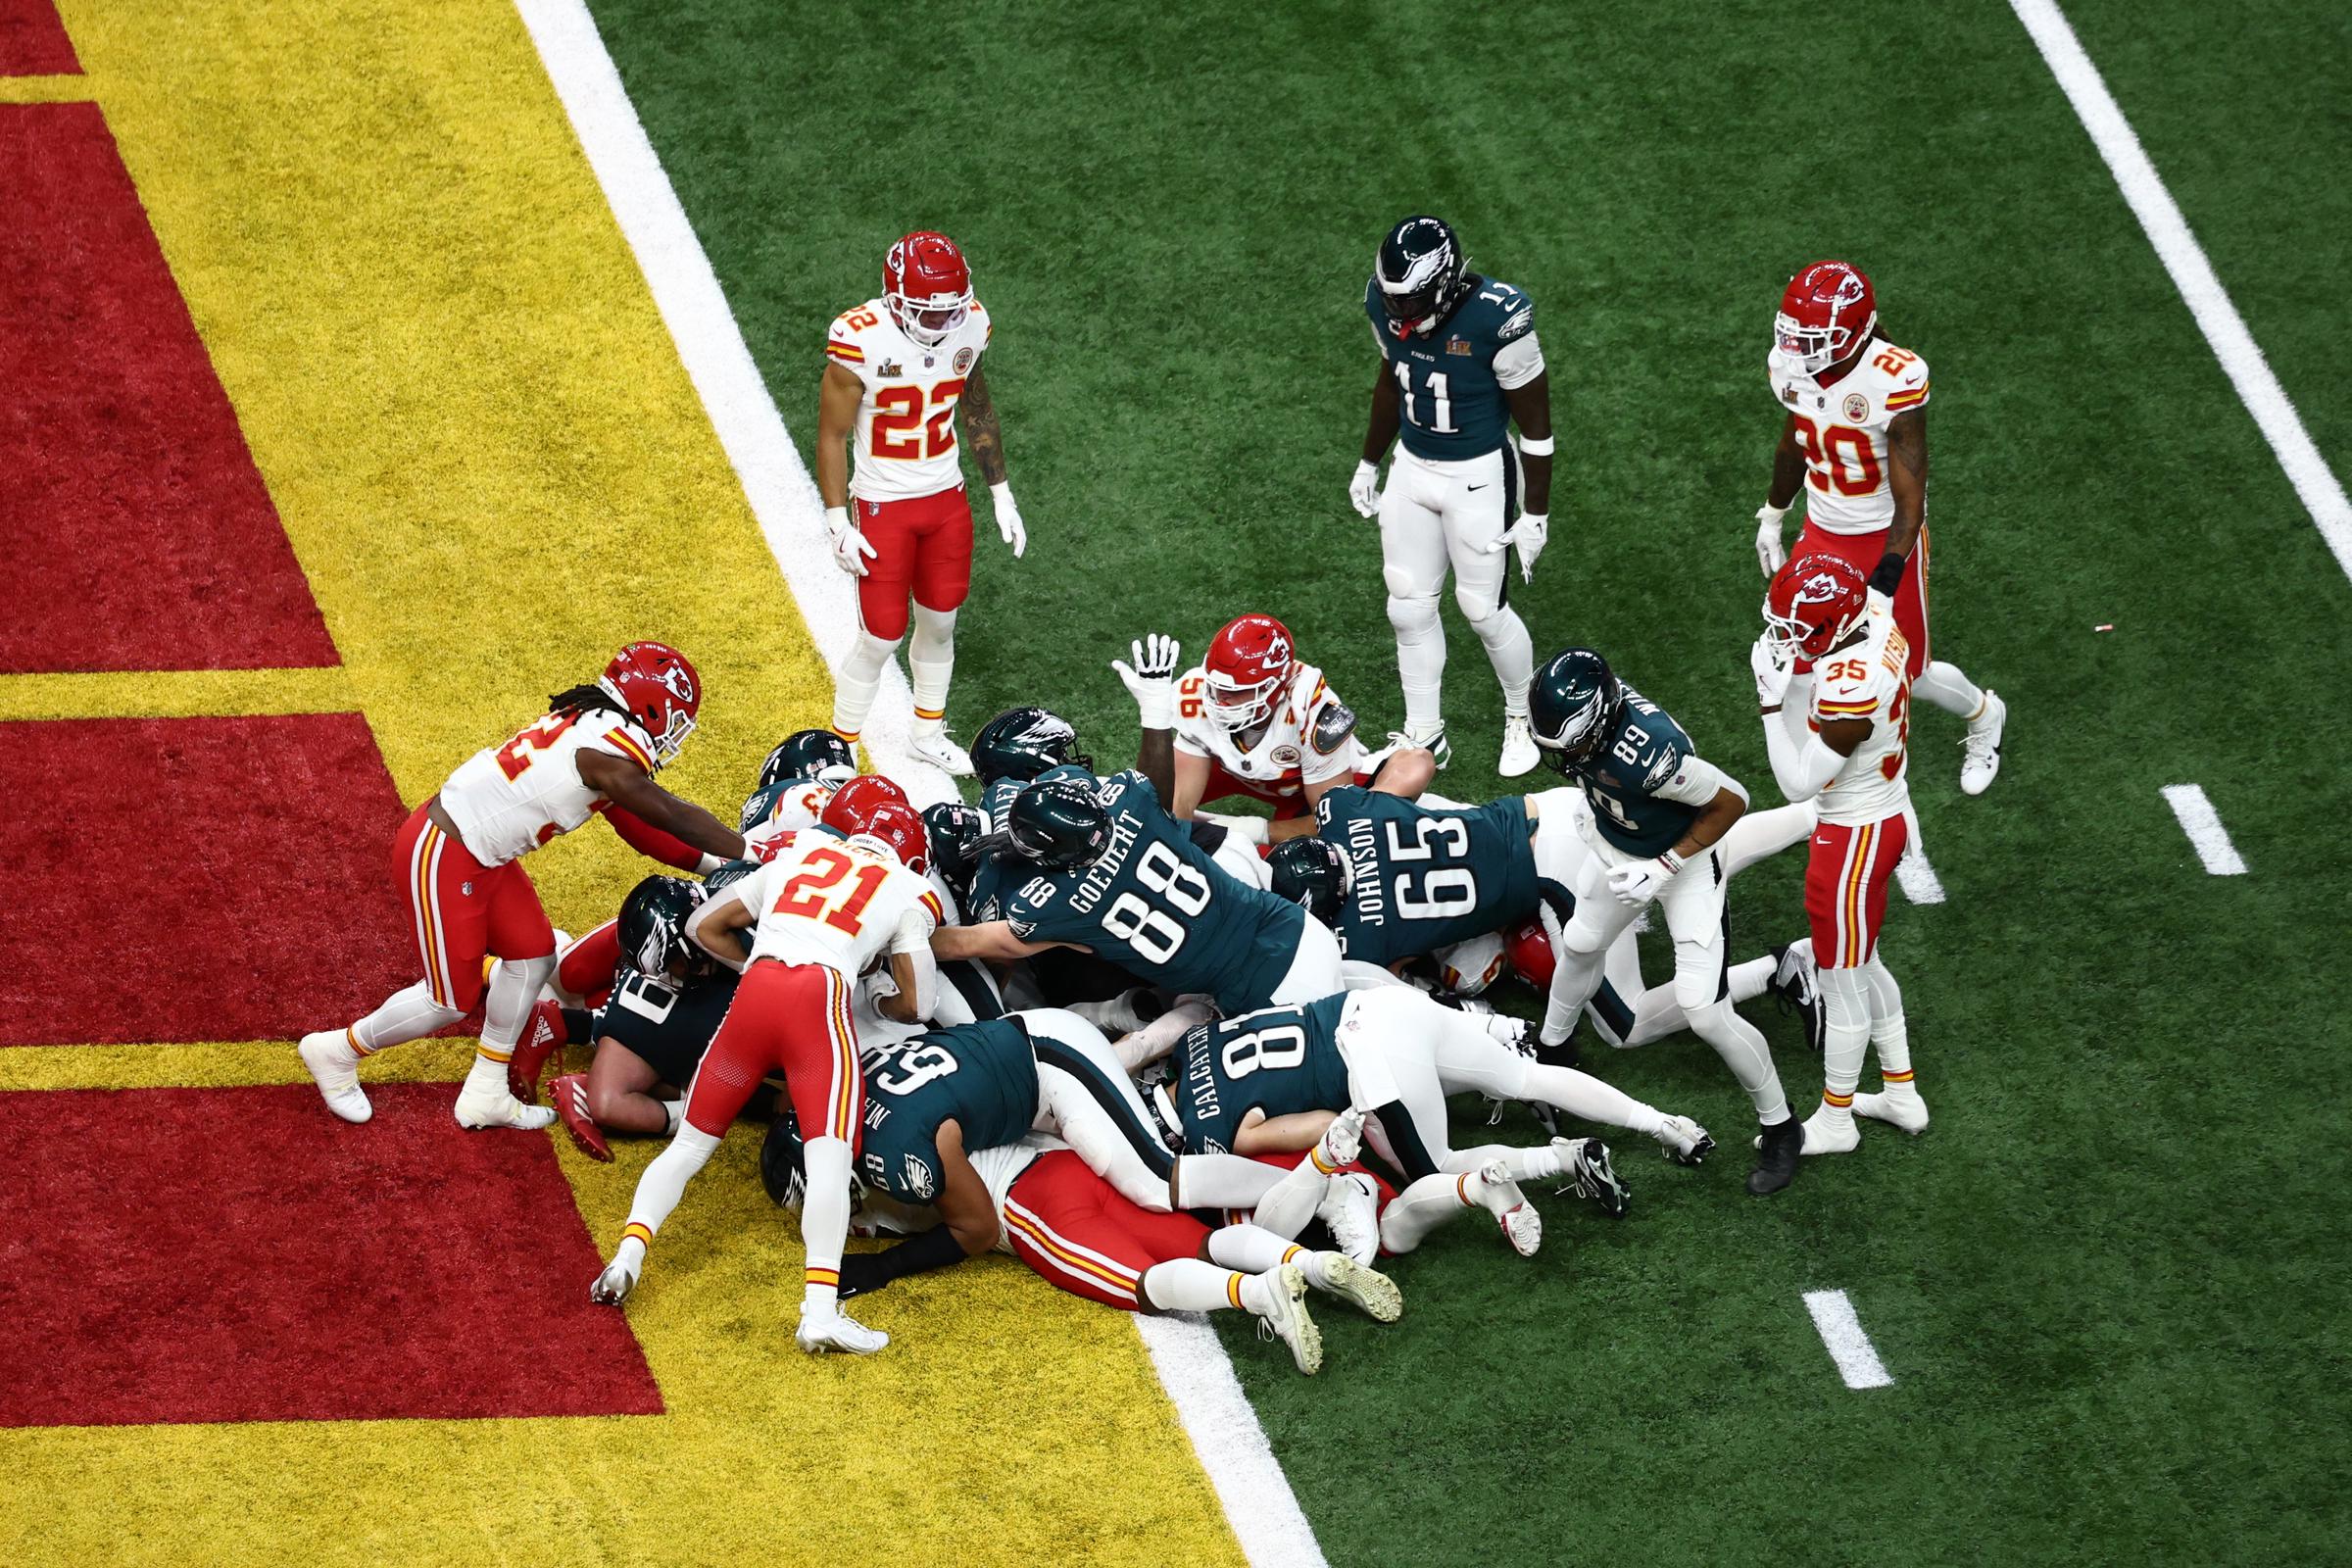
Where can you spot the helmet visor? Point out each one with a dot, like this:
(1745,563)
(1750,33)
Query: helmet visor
(1808,350)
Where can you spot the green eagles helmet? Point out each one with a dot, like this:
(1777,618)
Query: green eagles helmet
(1573,706)
(653,925)
(1023,742)
(1420,271)
(956,831)
(784,1166)
(1058,826)
(1313,873)
(810,754)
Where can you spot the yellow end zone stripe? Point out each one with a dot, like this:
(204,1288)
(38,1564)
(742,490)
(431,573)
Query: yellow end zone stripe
(46,90)
(232,1065)
(176,693)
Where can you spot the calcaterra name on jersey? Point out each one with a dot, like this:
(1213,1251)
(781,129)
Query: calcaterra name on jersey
(1842,430)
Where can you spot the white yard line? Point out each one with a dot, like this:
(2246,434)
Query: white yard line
(2176,247)
(1224,1430)
(2203,825)
(1857,1359)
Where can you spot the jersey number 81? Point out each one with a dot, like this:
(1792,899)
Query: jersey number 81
(1154,934)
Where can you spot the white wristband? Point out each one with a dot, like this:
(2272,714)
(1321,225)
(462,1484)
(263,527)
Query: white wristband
(1536,447)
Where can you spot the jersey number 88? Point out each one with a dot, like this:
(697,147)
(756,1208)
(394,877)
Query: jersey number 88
(1154,934)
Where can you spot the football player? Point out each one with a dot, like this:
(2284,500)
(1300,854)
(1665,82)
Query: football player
(1856,440)
(459,863)
(1460,364)
(901,372)
(1853,764)
(1659,814)
(800,929)
(797,780)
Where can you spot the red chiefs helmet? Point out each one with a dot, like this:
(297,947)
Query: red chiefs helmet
(1249,668)
(854,804)
(659,688)
(1813,601)
(1530,953)
(927,286)
(1827,313)
(896,827)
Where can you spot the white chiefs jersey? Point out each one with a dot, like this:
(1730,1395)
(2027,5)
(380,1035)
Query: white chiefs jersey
(904,444)
(1867,681)
(798,807)
(824,900)
(1311,738)
(1842,430)
(506,800)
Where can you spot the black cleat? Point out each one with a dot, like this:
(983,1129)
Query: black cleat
(1792,986)
(1778,1150)
(1585,1162)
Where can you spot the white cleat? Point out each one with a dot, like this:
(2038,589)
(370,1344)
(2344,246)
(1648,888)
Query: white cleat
(1981,759)
(1829,1131)
(336,1068)
(940,752)
(1519,753)
(613,1286)
(820,1332)
(495,1107)
(1342,1141)
(1684,1141)
(1282,1315)
(1432,742)
(1522,1226)
(1908,1111)
(1351,1211)
(1368,1289)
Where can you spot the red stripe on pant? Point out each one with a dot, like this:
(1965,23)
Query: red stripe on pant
(463,911)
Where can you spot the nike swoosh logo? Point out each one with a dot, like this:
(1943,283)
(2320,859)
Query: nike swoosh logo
(1478,487)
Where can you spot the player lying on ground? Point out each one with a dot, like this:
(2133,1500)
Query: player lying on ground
(459,863)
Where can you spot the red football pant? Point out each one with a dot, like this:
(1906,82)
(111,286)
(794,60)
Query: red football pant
(1865,550)
(922,547)
(588,968)
(463,911)
(1073,1227)
(1845,888)
(792,1016)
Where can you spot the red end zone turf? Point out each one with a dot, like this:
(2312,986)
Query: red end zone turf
(195,878)
(135,527)
(33,41)
(238,1255)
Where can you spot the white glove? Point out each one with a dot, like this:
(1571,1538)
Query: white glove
(1771,674)
(1151,680)
(1529,534)
(1770,554)
(1363,491)
(849,548)
(1008,519)
(824,1330)
(1875,603)
(1636,884)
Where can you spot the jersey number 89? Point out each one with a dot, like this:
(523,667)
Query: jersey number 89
(1154,934)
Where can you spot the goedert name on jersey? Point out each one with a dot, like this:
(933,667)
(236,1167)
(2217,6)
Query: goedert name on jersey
(1842,432)
(1311,738)
(905,443)
(1451,382)
(506,801)
(1867,681)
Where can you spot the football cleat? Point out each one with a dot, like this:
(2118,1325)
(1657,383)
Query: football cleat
(1795,986)
(570,1095)
(1908,1111)
(821,1331)
(1585,1161)
(1982,758)
(1684,1141)
(1368,1289)
(1285,1317)
(938,748)
(336,1068)
(613,1286)
(1432,742)
(1351,1211)
(1779,1148)
(477,1108)
(1522,1226)
(542,1038)
(1830,1131)
(1519,755)
(1342,1141)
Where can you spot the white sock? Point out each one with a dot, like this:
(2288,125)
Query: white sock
(1193,1285)
(857,681)
(1223,1181)
(1890,1036)
(1420,661)
(663,1184)
(513,989)
(1751,979)
(405,1014)
(1254,1249)
(824,1209)
(931,664)
(1292,1201)
(1426,1204)
(1948,689)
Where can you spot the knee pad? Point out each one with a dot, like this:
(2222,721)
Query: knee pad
(870,656)
(1414,616)
(1886,997)
(934,631)
(1477,604)
(1580,936)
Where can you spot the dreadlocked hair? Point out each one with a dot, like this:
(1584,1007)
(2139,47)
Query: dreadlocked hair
(584,698)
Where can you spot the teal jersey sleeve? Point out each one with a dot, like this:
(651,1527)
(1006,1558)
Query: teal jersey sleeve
(1278,1061)
(1423,878)
(1642,753)
(981,1076)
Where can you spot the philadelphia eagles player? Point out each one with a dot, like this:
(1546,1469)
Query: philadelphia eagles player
(1460,364)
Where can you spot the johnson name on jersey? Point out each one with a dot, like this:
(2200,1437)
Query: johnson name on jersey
(1311,738)
(1867,681)
(1842,430)
(1421,878)
(506,801)
(1451,382)
(905,443)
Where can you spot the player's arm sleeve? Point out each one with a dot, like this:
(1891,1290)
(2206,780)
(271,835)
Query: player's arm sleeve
(911,940)
(1696,781)
(1803,769)
(658,844)
(1519,360)
(842,347)
(1912,392)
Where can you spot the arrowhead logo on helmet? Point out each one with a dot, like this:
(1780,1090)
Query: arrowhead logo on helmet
(1249,670)
(1814,602)
(658,688)
(927,286)
(1827,313)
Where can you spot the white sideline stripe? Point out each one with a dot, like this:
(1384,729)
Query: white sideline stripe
(2176,247)
(719,363)
(2203,825)
(1223,1428)
(1842,1331)
(1914,873)
(1257,1496)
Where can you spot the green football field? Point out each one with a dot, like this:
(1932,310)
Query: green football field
(2101,1282)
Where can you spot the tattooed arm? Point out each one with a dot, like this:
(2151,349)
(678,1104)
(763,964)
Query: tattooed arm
(1907,447)
(981,432)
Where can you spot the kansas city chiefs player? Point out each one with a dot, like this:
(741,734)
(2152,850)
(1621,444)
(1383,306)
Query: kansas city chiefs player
(1856,438)
(1852,763)
(459,863)
(899,372)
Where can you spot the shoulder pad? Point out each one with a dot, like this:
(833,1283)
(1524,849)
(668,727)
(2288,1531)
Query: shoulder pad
(1335,721)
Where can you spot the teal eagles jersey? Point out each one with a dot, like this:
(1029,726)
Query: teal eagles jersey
(1158,906)
(1452,403)
(981,1076)
(1422,879)
(1281,1060)
(1642,751)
